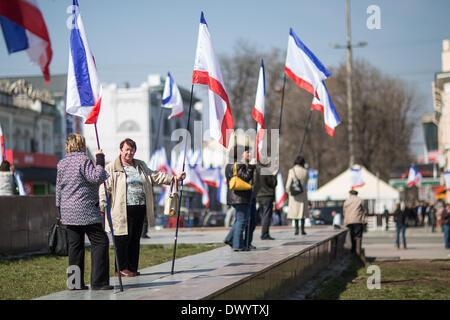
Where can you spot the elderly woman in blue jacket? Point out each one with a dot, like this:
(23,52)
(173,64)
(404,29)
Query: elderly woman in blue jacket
(77,183)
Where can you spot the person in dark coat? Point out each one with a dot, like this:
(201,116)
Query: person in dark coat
(77,183)
(401,222)
(266,195)
(240,200)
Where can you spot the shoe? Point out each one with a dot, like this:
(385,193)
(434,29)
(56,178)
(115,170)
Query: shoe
(125,273)
(239,250)
(228,243)
(105,287)
(303,233)
(252,247)
(268,238)
(83,287)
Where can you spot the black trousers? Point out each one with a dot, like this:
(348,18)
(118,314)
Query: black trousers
(128,246)
(356,232)
(99,251)
(265,212)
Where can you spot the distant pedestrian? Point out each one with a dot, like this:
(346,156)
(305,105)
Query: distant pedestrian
(337,219)
(298,204)
(265,197)
(77,183)
(401,222)
(386,218)
(445,220)
(241,200)
(7,181)
(354,217)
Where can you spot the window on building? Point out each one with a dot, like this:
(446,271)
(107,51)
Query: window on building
(129,126)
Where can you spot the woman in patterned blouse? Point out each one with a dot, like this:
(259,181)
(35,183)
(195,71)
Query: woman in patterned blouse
(131,198)
(77,184)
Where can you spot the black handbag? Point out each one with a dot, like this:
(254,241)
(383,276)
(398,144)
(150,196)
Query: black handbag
(296,187)
(57,239)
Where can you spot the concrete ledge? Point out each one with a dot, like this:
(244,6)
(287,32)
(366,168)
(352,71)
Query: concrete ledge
(223,274)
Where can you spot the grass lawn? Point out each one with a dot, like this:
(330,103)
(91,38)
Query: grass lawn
(400,280)
(32,277)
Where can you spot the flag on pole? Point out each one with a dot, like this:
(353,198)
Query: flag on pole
(414,177)
(302,66)
(222,190)
(447,179)
(280,193)
(258,110)
(24,29)
(356,178)
(210,176)
(159,162)
(2,144)
(171,97)
(19,182)
(83,86)
(207,72)
(322,102)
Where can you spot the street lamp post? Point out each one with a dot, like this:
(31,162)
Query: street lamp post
(349,46)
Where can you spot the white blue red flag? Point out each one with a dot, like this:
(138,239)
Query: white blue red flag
(83,86)
(322,102)
(2,144)
(24,29)
(447,179)
(210,176)
(207,72)
(414,177)
(159,162)
(356,178)
(302,66)
(222,190)
(258,110)
(280,192)
(171,97)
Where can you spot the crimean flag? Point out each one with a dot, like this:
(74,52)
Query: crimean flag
(258,110)
(171,97)
(356,178)
(207,72)
(83,85)
(280,192)
(24,29)
(414,177)
(302,66)
(322,102)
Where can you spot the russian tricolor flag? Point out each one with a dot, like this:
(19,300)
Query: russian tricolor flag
(258,110)
(207,72)
(83,86)
(24,29)
(447,179)
(171,97)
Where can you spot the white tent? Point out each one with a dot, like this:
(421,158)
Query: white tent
(379,193)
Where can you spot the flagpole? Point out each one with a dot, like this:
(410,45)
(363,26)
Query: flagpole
(158,130)
(282,102)
(108,215)
(181,187)
(308,122)
(251,194)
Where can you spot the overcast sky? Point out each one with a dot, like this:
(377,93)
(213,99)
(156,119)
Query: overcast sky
(135,38)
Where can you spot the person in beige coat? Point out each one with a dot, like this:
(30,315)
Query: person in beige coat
(130,195)
(354,218)
(298,204)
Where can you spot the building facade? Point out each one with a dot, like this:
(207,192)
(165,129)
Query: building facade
(441,101)
(27,117)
